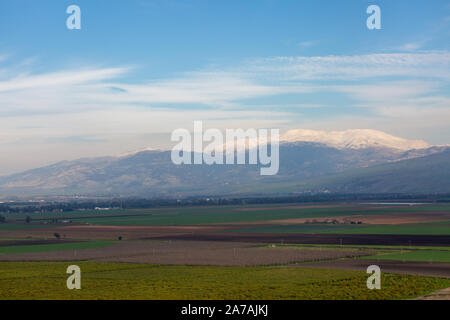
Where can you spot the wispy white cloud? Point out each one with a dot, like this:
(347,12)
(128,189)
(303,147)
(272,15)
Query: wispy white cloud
(356,67)
(59,79)
(389,90)
(307,44)
(74,90)
(411,46)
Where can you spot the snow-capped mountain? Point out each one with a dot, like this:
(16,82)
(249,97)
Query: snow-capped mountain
(307,159)
(131,153)
(349,139)
(354,139)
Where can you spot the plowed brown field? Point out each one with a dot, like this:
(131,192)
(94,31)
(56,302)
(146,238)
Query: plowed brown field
(189,253)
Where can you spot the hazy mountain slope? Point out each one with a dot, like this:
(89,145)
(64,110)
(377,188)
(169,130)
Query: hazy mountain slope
(309,161)
(152,173)
(430,174)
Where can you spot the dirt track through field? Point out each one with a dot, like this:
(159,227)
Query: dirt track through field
(443,294)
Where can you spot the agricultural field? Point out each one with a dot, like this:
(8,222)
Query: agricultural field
(282,251)
(235,214)
(397,253)
(15,226)
(178,253)
(412,229)
(46,280)
(30,248)
(425,254)
(418,255)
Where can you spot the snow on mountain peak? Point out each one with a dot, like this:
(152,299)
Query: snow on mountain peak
(354,139)
(132,153)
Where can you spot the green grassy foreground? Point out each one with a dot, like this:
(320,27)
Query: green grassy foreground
(47,280)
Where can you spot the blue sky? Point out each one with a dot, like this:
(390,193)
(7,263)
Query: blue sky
(139,69)
(170,36)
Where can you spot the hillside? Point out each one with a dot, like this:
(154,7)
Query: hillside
(304,167)
(430,174)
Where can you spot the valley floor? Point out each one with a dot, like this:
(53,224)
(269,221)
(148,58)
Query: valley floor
(236,252)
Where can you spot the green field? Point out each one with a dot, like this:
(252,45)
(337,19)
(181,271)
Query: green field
(413,229)
(219,214)
(361,246)
(301,228)
(417,255)
(28,280)
(47,280)
(12,226)
(198,216)
(400,253)
(54,247)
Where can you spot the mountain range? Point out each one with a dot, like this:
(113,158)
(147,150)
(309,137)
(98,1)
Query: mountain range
(351,161)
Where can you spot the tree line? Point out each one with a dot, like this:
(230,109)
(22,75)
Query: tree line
(72,205)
